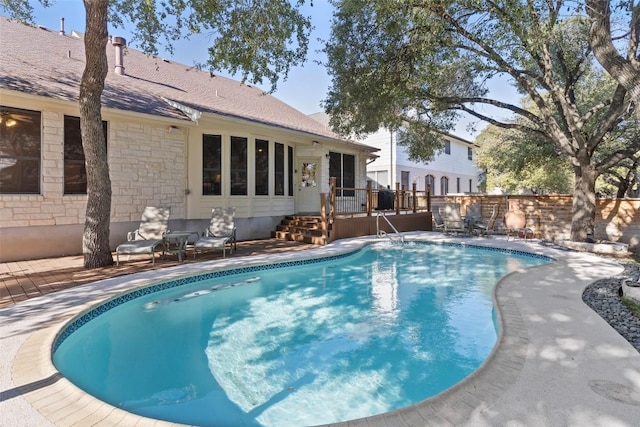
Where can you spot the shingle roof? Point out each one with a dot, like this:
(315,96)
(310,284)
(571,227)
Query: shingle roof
(42,62)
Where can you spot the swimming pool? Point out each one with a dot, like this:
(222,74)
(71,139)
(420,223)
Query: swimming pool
(342,338)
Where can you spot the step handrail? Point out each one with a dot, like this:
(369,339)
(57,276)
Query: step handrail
(382,233)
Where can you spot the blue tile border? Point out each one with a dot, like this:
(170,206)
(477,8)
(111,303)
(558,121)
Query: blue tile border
(104,307)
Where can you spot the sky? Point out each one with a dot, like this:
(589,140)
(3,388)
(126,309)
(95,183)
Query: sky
(306,85)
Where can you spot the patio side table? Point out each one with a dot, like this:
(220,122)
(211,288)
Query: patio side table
(175,242)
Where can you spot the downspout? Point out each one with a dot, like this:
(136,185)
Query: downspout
(391,175)
(187,190)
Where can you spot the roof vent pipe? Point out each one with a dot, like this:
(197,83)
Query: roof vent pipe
(120,43)
(61,26)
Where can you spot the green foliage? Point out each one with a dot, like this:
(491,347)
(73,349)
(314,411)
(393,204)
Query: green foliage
(517,161)
(421,65)
(620,181)
(518,164)
(21,10)
(260,39)
(632,305)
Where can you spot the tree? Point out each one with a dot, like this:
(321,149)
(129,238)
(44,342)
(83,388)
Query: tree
(621,181)
(420,65)
(517,161)
(516,164)
(260,38)
(624,68)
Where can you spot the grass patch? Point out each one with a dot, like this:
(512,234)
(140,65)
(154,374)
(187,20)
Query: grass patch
(632,305)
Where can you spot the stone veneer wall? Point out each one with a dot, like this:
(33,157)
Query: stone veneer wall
(147,168)
(49,207)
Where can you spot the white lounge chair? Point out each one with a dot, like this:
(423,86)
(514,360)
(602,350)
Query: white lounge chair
(474,214)
(148,236)
(486,228)
(220,233)
(438,222)
(450,213)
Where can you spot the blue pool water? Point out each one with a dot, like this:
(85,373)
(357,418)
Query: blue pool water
(299,345)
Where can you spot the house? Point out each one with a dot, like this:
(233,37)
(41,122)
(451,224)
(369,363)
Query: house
(452,171)
(176,137)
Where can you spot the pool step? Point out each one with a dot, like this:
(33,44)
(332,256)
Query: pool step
(300,228)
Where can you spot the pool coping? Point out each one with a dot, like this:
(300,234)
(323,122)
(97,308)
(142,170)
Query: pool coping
(474,401)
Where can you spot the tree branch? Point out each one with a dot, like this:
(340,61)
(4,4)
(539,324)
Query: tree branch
(616,157)
(624,70)
(618,104)
(516,126)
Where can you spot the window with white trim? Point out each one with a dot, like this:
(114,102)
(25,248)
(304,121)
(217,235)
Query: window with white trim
(238,168)
(75,171)
(20,151)
(430,184)
(444,186)
(343,168)
(211,165)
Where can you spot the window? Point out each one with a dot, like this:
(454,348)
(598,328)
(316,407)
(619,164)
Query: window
(430,184)
(457,185)
(262,168)
(20,150)
(470,186)
(238,179)
(279,172)
(469,153)
(211,165)
(75,172)
(342,167)
(404,180)
(379,179)
(444,186)
(290,170)
(447,147)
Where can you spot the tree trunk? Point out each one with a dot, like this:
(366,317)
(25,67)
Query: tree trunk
(623,187)
(620,68)
(584,203)
(95,240)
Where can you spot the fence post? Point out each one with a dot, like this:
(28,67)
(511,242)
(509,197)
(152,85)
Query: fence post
(397,198)
(323,216)
(369,198)
(332,198)
(429,197)
(415,200)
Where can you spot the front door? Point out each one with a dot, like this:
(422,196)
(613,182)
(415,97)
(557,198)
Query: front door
(308,200)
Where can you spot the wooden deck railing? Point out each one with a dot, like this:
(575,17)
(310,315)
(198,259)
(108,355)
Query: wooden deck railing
(342,201)
(352,201)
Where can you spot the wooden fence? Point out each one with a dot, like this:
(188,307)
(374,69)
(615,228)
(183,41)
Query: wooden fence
(617,220)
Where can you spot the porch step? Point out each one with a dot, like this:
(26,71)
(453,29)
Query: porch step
(313,225)
(300,228)
(313,231)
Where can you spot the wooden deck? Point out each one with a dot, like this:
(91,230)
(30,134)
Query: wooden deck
(22,280)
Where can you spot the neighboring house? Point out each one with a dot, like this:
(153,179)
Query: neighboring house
(452,171)
(176,137)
